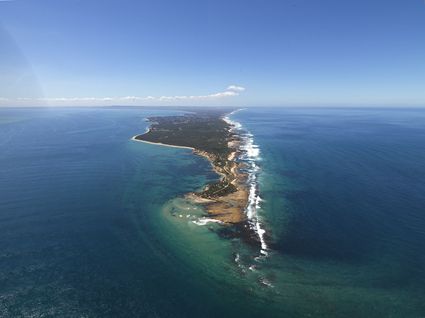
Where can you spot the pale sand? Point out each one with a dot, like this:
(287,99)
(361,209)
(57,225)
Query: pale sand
(197,199)
(232,156)
(227,209)
(160,144)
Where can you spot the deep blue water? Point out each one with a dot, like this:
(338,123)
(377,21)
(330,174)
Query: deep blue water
(83,232)
(344,191)
(357,181)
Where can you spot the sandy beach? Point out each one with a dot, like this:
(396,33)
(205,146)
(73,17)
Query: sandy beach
(230,207)
(134,138)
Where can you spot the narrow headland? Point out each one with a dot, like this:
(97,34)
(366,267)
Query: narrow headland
(209,135)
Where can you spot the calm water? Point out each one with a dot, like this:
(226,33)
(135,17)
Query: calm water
(90,225)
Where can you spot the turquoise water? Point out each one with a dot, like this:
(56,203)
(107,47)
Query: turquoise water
(93,224)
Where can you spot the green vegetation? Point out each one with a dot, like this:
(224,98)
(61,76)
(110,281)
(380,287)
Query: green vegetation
(220,188)
(204,130)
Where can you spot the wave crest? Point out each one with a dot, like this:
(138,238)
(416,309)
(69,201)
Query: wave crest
(250,155)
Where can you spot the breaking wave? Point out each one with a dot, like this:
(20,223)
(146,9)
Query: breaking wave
(205,221)
(250,155)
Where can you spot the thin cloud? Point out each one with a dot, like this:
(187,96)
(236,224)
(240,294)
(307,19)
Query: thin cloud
(235,88)
(230,91)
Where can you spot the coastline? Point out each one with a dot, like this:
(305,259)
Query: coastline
(159,143)
(229,201)
(249,154)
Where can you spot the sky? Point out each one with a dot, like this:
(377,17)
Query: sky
(216,52)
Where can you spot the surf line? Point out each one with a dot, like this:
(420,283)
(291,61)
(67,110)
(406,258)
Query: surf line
(250,154)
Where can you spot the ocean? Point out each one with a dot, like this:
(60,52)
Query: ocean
(93,224)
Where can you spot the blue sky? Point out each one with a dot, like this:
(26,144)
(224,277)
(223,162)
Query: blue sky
(238,53)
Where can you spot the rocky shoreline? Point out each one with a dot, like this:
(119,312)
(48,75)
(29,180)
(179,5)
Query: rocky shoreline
(230,206)
(227,199)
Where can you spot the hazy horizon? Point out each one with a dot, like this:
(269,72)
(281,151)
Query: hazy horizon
(237,53)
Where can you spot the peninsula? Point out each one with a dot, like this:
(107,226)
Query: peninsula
(209,135)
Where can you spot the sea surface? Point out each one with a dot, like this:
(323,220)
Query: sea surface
(93,224)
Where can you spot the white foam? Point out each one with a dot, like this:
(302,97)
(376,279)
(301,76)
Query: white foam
(252,268)
(251,154)
(265,282)
(204,221)
(234,124)
(251,150)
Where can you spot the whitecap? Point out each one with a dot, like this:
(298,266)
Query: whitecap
(204,221)
(251,155)
(265,282)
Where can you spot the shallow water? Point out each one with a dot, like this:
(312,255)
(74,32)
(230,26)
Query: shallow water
(93,224)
